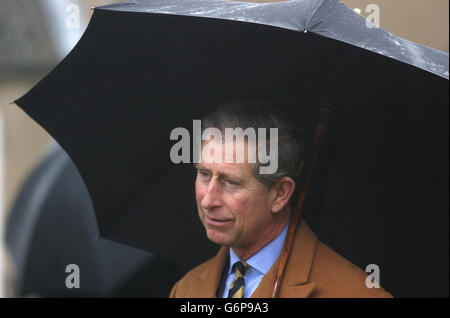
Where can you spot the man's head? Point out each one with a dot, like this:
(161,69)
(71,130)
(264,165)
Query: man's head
(239,206)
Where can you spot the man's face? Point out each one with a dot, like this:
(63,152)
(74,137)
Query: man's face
(232,204)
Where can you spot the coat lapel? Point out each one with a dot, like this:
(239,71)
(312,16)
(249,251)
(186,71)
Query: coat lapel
(207,282)
(296,281)
(296,277)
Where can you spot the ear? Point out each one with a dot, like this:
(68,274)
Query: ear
(281,193)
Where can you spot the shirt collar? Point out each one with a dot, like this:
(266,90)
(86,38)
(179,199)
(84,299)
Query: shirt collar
(263,260)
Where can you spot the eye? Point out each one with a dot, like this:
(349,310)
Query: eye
(203,174)
(230,182)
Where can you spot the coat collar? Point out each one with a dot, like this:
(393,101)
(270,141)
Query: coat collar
(297,272)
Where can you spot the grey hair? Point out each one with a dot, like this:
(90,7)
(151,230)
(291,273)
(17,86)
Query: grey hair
(258,113)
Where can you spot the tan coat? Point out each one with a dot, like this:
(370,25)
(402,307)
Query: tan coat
(312,270)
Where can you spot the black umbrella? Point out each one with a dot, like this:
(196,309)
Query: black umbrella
(52,225)
(143,68)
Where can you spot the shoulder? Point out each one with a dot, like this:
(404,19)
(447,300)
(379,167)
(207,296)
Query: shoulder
(334,276)
(183,287)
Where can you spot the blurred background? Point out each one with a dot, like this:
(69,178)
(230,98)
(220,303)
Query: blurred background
(34,36)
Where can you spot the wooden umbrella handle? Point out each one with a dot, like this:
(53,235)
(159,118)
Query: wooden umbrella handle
(320,135)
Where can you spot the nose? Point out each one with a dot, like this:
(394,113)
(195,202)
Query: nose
(211,199)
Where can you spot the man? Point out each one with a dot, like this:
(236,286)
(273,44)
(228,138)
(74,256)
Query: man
(248,214)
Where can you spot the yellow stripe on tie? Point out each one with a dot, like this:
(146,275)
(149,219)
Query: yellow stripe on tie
(237,287)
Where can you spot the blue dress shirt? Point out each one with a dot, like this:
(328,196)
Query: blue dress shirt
(260,264)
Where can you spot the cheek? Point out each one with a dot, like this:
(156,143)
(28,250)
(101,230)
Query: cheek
(250,209)
(199,194)
(239,206)
(199,190)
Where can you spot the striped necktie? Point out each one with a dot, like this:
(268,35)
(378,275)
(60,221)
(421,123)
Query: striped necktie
(237,286)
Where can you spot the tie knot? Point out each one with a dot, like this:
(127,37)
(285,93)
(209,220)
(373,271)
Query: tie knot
(240,267)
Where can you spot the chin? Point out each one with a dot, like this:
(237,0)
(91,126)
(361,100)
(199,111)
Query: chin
(218,237)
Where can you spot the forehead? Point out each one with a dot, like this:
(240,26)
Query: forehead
(236,151)
(227,158)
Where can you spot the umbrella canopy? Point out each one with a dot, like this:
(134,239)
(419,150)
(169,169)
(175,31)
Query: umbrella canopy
(144,68)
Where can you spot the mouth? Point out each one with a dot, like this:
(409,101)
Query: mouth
(217,222)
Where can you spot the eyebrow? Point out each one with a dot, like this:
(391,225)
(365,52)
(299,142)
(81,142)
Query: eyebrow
(237,179)
(198,166)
